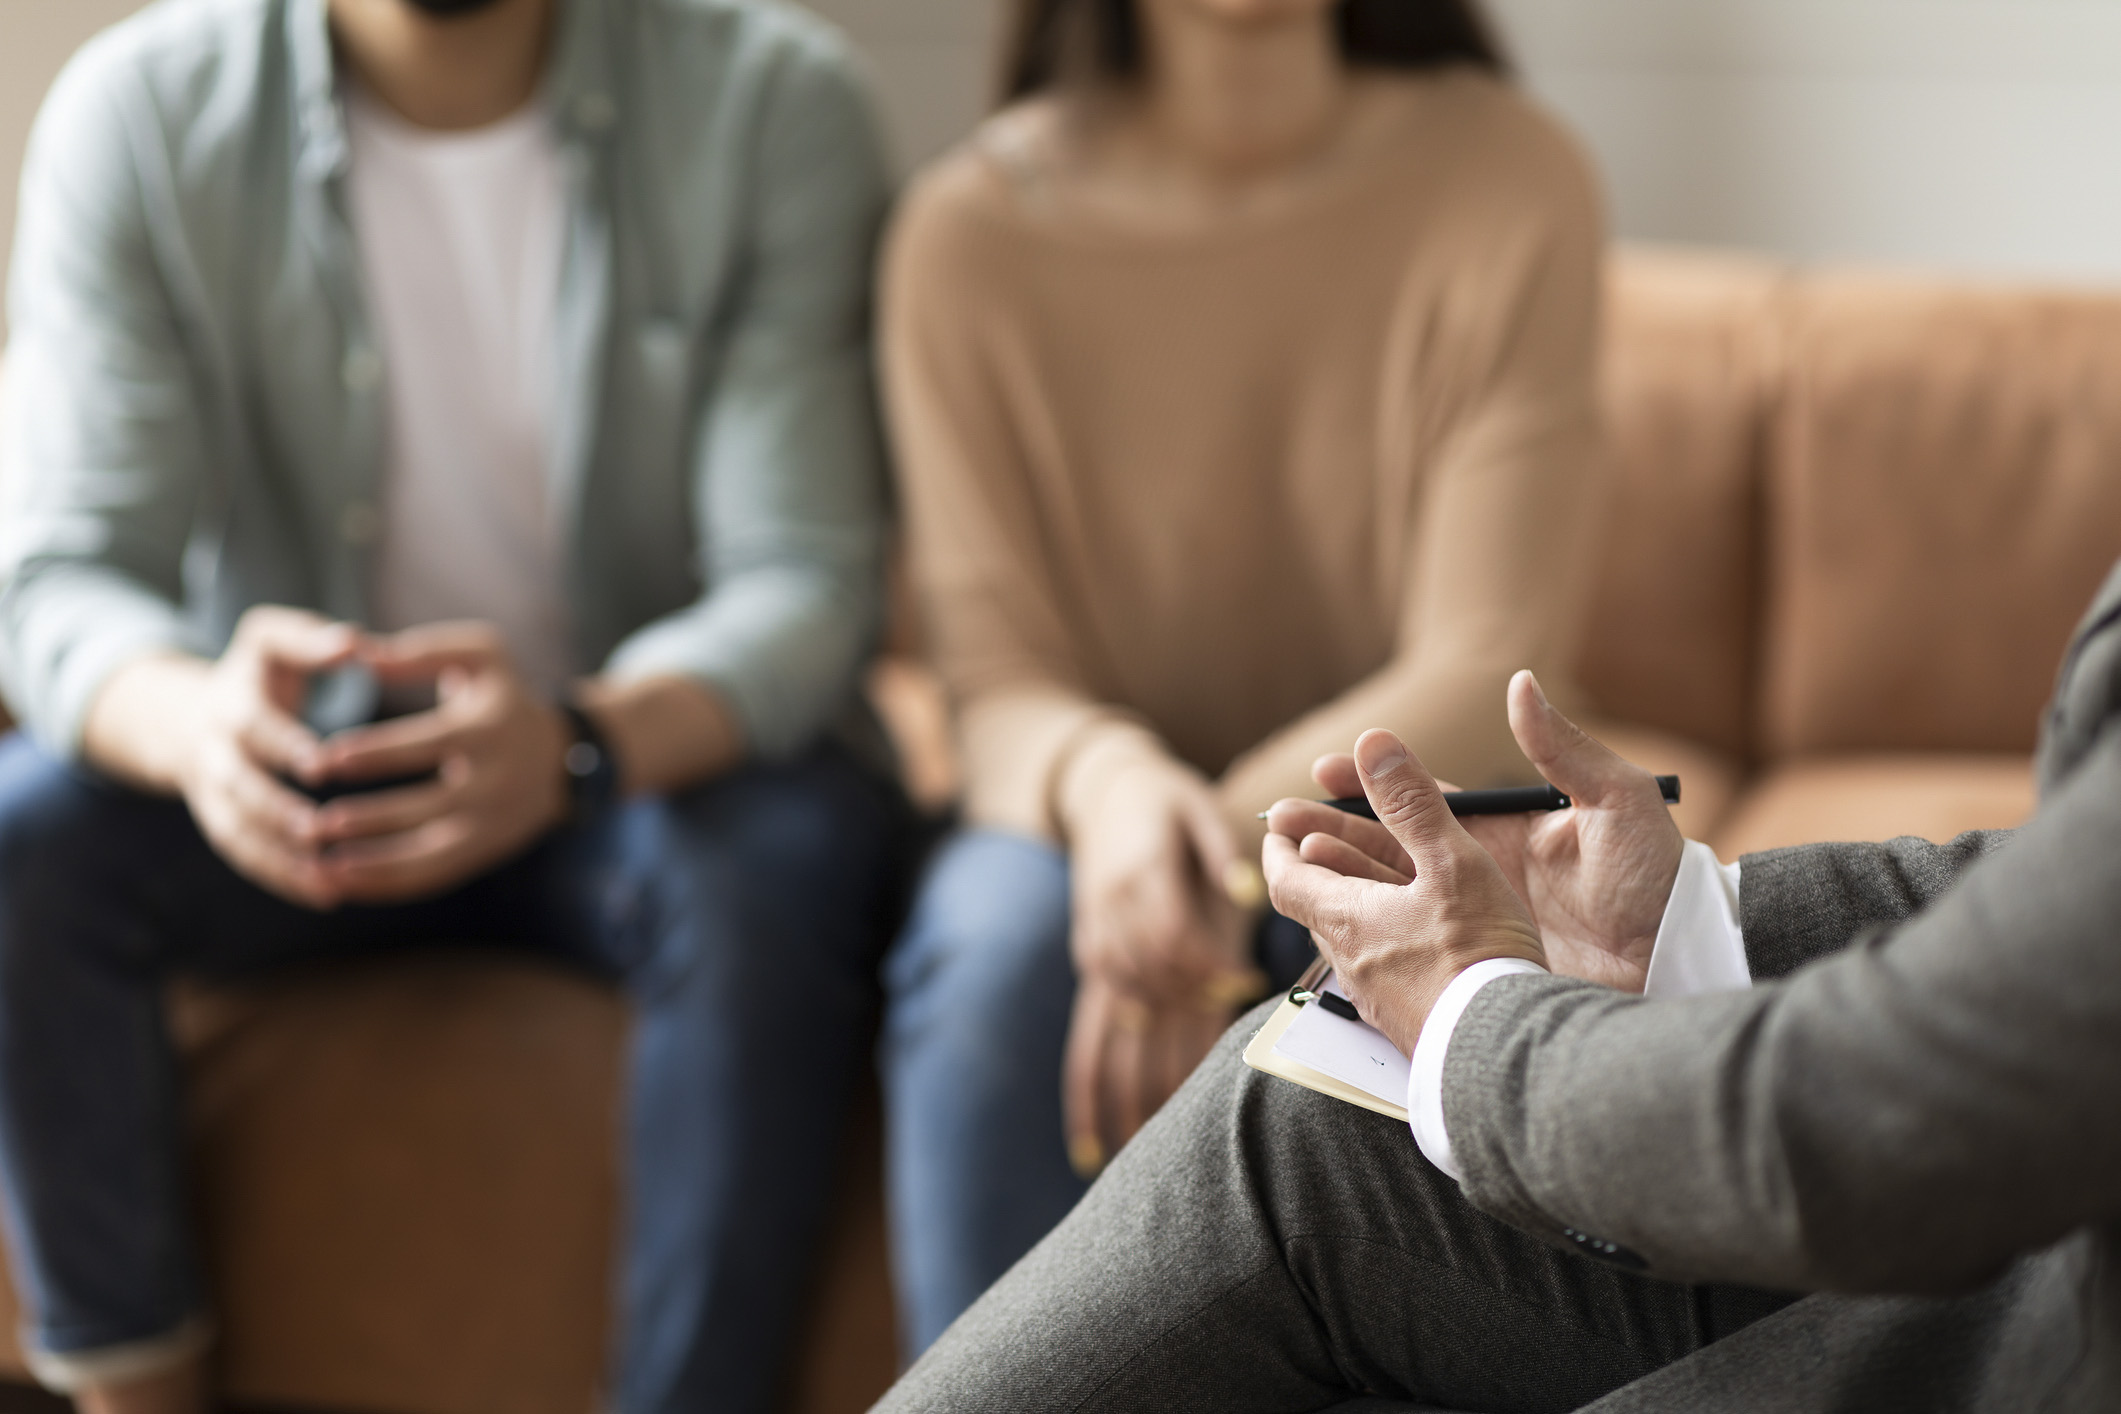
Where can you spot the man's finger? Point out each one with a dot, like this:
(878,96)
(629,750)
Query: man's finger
(1299,819)
(296,638)
(425,652)
(1575,762)
(403,746)
(278,742)
(266,808)
(395,868)
(385,812)
(1332,852)
(1407,799)
(1320,899)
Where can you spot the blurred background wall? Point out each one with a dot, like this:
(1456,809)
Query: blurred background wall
(1971,135)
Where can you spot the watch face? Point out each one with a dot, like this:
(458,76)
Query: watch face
(583,759)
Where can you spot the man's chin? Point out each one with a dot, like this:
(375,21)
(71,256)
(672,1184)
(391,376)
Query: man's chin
(451,9)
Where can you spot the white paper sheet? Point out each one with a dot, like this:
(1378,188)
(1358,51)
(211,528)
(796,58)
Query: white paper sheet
(1346,1050)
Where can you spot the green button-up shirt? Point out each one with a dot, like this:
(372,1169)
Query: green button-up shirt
(195,393)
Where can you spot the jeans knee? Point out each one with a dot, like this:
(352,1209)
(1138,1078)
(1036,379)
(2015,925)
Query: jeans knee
(61,836)
(991,913)
(47,813)
(757,888)
(981,979)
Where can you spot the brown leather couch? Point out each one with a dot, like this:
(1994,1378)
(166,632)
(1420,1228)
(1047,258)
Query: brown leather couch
(1857,517)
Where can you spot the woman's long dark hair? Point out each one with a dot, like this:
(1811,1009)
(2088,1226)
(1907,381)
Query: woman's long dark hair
(1055,40)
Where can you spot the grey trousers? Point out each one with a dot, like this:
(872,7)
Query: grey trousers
(1260,1247)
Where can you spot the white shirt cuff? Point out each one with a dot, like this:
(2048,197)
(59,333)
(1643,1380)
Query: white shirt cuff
(1700,948)
(1425,1078)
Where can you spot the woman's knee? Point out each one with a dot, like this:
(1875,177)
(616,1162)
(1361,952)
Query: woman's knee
(988,930)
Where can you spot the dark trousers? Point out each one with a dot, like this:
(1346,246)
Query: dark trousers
(772,882)
(1260,1247)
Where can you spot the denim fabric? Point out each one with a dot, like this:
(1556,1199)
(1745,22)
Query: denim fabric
(775,878)
(980,987)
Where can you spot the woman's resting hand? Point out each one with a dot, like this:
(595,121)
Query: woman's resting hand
(1162,955)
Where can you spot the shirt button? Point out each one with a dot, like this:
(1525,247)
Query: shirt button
(360,523)
(595,111)
(362,370)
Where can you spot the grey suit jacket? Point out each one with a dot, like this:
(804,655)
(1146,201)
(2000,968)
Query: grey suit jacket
(1921,1096)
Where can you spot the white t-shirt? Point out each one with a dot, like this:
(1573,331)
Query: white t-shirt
(460,240)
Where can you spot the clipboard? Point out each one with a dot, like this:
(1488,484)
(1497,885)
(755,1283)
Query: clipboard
(1348,1047)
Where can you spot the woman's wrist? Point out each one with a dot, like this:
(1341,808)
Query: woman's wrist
(1104,757)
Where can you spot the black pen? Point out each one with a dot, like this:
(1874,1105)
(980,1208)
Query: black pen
(1516,800)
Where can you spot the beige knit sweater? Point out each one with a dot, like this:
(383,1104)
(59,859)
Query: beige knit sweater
(1238,489)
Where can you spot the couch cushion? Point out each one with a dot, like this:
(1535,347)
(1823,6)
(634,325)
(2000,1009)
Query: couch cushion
(1689,364)
(1877,797)
(406,1180)
(1944,494)
(409,1181)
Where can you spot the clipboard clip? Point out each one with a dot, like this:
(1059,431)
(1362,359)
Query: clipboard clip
(1314,977)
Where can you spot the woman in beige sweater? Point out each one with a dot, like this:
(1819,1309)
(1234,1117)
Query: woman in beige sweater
(1241,378)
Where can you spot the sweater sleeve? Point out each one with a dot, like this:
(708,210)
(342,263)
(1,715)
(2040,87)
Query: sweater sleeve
(1507,450)
(983,572)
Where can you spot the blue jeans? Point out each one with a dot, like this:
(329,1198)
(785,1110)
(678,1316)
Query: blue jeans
(774,878)
(979,988)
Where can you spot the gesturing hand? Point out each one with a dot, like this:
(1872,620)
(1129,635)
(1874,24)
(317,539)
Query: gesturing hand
(1398,931)
(1160,951)
(247,734)
(1596,877)
(495,749)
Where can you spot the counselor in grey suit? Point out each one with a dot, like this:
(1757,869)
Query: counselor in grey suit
(1887,1175)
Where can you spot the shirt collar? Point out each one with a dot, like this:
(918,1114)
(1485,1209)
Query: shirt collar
(578,88)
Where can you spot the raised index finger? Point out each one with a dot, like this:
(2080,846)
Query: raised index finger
(1407,799)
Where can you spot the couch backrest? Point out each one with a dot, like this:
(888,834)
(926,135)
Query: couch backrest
(1690,366)
(1852,512)
(1944,496)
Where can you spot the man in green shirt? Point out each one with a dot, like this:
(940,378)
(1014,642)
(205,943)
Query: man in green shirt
(445,506)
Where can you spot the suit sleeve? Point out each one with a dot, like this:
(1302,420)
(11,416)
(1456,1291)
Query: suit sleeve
(1906,1115)
(1798,905)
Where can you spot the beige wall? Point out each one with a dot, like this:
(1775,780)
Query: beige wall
(929,60)
(1973,135)
(1965,134)
(35,38)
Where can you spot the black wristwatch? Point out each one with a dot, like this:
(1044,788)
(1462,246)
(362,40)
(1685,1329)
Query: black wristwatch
(592,772)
